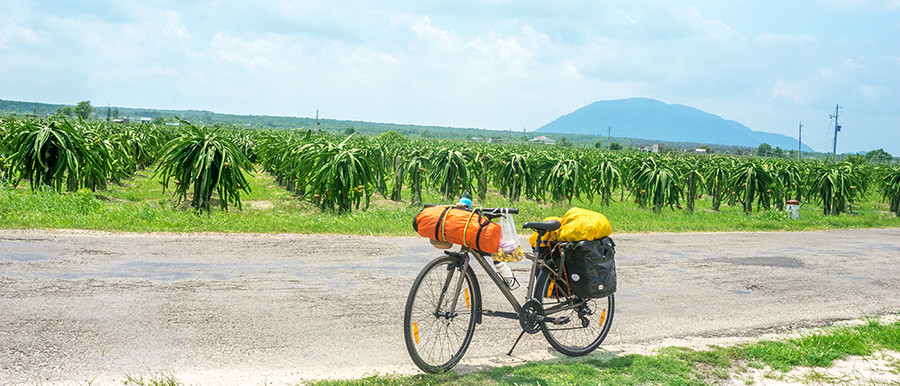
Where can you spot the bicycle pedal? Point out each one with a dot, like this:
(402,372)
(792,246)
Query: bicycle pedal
(559,321)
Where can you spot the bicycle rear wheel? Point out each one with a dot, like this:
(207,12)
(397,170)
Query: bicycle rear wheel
(437,338)
(580,325)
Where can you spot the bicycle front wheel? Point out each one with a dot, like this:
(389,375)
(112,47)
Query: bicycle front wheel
(437,334)
(575,326)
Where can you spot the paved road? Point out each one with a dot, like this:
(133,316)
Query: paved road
(79,306)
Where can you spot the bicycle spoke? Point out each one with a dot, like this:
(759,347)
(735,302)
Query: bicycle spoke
(443,336)
(583,324)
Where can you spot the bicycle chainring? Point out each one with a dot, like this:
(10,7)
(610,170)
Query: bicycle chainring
(530,316)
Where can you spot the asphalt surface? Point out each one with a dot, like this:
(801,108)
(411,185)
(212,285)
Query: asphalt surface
(93,307)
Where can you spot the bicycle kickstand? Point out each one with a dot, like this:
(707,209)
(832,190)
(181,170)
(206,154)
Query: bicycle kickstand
(514,344)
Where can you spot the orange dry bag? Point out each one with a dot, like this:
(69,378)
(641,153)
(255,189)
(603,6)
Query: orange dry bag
(458,226)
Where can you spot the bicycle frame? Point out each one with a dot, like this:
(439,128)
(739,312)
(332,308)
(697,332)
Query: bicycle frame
(466,254)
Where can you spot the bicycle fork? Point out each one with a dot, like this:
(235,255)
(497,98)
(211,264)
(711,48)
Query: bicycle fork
(462,268)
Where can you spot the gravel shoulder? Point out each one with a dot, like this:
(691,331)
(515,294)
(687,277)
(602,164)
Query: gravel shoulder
(84,306)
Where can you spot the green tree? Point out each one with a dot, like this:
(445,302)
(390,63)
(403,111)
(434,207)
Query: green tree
(764,150)
(391,137)
(564,142)
(778,152)
(65,111)
(84,110)
(598,144)
(615,146)
(856,159)
(878,155)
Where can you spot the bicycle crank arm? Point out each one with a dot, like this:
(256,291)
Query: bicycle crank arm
(500,314)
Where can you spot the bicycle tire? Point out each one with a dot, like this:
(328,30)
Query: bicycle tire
(587,325)
(437,343)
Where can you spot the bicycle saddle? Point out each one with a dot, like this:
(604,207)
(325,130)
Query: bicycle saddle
(551,225)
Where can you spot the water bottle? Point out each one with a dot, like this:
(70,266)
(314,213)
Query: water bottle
(506,274)
(465,201)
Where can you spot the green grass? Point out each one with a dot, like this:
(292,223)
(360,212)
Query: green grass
(675,365)
(154,379)
(139,204)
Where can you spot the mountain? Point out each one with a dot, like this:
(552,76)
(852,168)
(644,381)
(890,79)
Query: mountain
(654,120)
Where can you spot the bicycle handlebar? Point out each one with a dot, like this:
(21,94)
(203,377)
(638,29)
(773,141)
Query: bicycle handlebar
(500,210)
(492,211)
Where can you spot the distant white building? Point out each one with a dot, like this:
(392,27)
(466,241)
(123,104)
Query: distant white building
(651,149)
(544,140)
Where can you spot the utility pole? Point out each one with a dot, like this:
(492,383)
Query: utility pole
(317,120)
(799,140)
(837,128)
(608,143)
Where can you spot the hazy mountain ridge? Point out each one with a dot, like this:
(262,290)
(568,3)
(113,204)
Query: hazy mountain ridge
(654,120)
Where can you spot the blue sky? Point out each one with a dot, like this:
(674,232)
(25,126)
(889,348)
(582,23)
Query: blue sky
(485,64)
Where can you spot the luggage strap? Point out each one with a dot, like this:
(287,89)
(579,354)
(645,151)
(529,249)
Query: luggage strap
(439,228)
(466,230)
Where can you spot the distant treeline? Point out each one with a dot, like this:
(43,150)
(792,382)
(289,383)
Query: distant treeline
(366,128)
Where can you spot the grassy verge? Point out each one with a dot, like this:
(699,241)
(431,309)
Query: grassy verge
(140,205)
(765,361)
(677,365)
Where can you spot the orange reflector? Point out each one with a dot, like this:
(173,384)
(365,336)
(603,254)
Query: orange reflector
(602,317)
(467,299)
(416,331)
(550,290)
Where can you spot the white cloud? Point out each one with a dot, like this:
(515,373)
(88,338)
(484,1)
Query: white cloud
(874,92)
(441,40)
(10,32)
(570,71)
(784,38)
(248,53)
(174,27)
(795,92)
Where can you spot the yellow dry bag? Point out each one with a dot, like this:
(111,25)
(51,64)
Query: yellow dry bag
(582,224)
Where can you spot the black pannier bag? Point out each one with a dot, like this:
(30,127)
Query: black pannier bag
(591,267)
